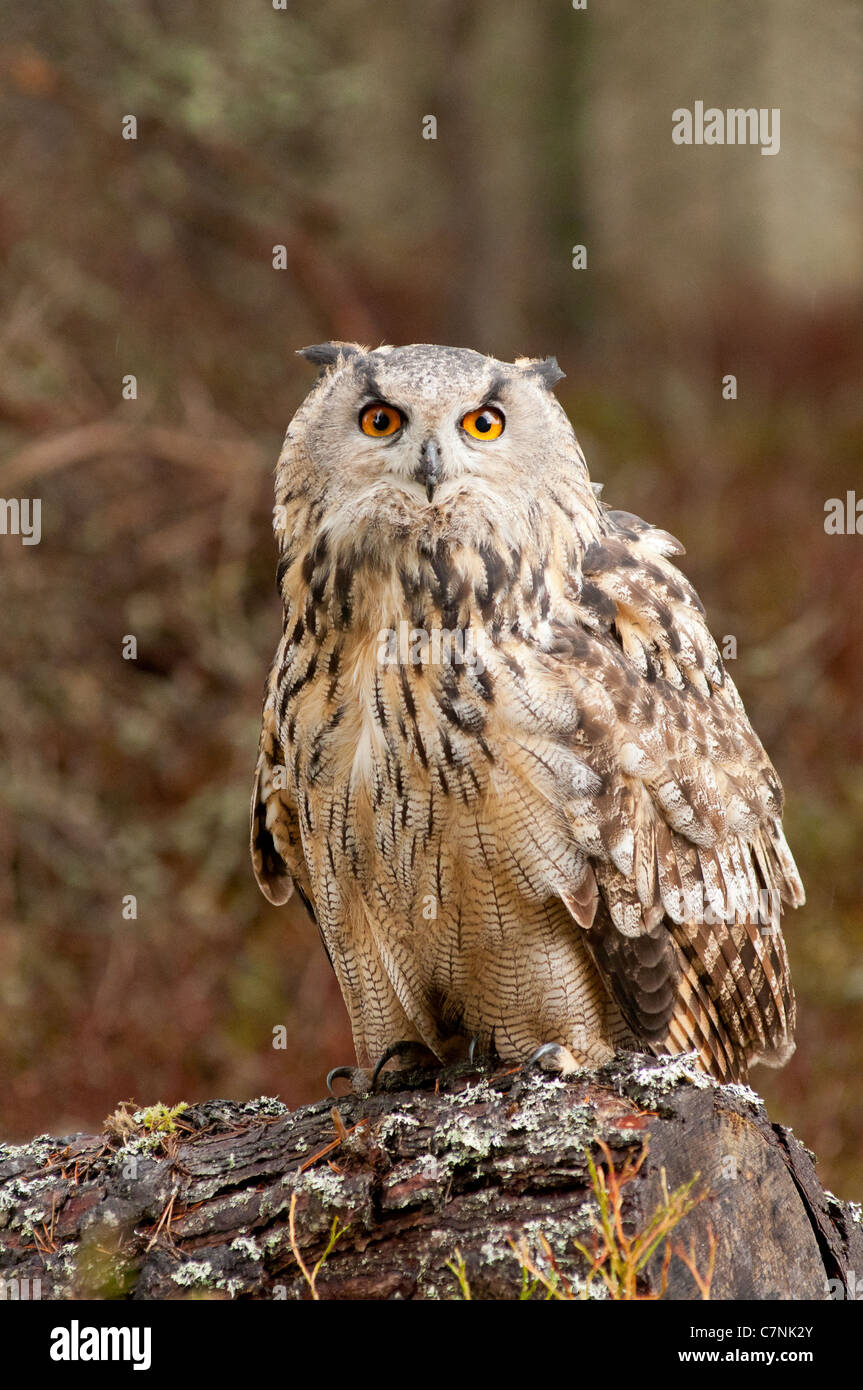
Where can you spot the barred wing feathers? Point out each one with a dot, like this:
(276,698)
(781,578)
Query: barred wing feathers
(689,864)
(276,844)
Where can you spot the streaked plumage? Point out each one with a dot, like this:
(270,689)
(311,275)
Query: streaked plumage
(540,846)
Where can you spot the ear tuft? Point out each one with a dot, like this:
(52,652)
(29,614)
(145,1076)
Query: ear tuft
(546,368)
(325,355)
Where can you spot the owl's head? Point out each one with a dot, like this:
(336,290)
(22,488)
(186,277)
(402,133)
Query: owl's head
(437,437)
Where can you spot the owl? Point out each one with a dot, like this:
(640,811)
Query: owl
(501,761)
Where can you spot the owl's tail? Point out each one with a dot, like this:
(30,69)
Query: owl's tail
(735,1002)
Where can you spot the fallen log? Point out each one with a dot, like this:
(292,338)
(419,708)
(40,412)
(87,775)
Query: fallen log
(643,1179)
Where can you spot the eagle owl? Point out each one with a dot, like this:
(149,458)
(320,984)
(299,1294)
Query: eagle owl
(501,761)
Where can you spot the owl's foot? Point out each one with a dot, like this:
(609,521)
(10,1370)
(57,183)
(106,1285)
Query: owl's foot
(554,1058)
(421,1055)
(358,1078)
(362,1081)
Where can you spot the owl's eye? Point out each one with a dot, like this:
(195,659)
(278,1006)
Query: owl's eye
(487,423)
(379,420)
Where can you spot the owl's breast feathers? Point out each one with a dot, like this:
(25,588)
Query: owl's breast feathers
(571,752)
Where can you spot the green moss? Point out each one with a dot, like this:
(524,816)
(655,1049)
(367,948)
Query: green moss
(159,1118)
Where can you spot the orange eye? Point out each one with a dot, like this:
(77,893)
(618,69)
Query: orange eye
(379,420)
(487,423)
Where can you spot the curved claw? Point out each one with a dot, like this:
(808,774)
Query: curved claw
(482,1054)
(396,1049)
(347,1072)
(560,1059)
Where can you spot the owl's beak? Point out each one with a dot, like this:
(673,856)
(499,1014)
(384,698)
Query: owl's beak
(429,471)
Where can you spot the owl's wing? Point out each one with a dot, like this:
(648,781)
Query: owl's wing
(276,846)
(688,860)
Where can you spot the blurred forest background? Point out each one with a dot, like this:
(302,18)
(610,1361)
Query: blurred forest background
(302,127)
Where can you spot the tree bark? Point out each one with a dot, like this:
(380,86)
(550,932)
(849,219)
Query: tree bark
(460,1184)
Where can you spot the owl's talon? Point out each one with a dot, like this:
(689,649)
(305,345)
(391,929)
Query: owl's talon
(483,1055)
(357,1077)
(552,1057)
(396,1049)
